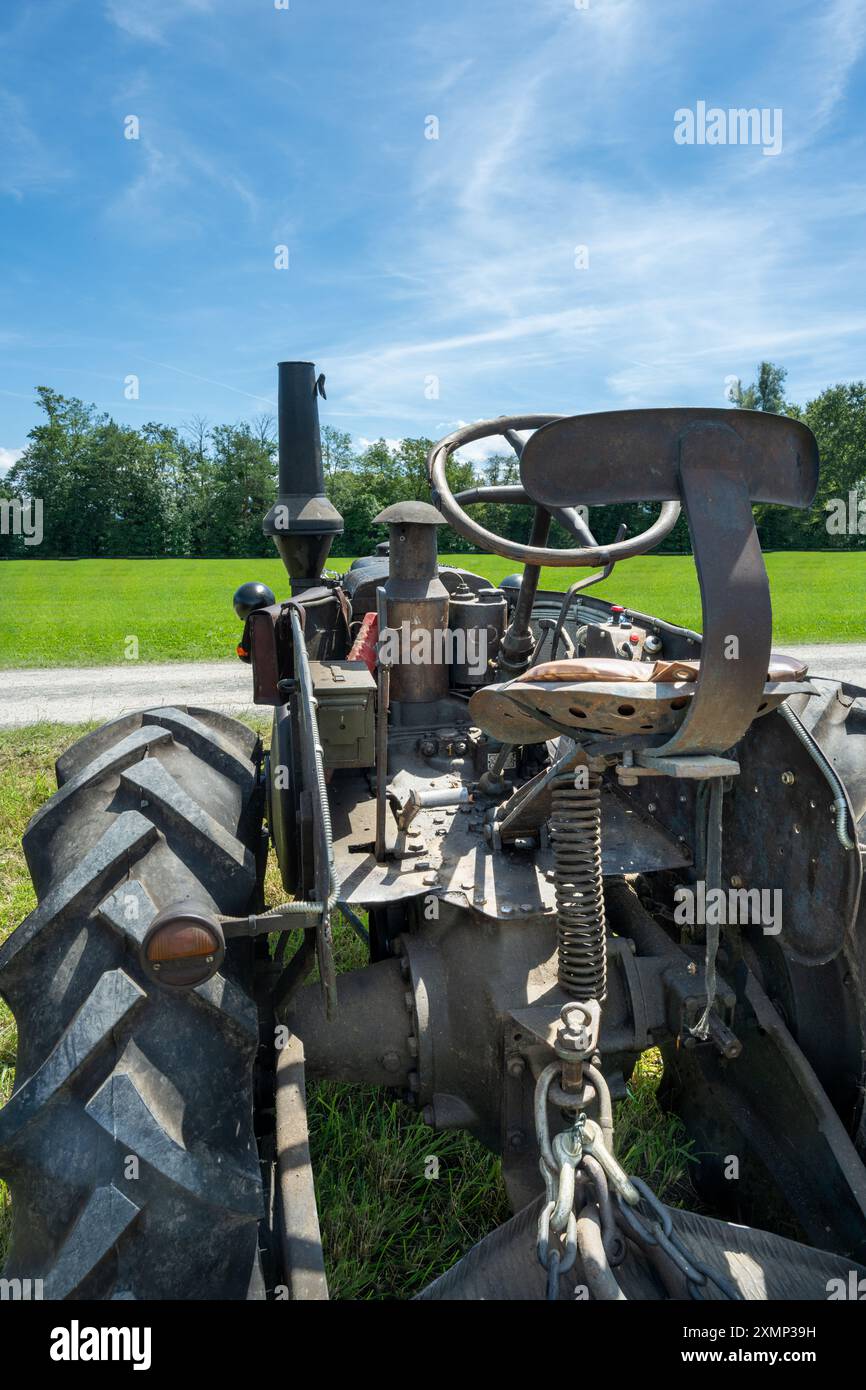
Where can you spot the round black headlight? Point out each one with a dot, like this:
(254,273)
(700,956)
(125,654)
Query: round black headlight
(251,596)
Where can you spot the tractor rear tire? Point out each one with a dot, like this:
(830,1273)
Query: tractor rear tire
(129,1143)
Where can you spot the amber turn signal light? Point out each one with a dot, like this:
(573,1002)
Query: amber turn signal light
(183,946)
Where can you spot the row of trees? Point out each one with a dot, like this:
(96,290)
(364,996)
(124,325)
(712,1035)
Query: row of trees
(109,490)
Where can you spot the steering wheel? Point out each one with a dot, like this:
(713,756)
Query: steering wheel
(512,550)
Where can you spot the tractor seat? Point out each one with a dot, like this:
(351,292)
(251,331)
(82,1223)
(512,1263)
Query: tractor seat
(611,696)
(608,668)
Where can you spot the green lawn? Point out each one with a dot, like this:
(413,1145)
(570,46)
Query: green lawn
(387,1229)
(83,612)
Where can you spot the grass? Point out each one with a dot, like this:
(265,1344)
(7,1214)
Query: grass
(84,612)
(387,1226)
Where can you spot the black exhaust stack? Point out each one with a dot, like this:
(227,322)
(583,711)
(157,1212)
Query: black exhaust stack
(302,521)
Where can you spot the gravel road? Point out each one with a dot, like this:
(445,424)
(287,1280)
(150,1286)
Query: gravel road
(72,695)
(69,695)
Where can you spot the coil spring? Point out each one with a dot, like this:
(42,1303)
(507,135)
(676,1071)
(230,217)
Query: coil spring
(575,830)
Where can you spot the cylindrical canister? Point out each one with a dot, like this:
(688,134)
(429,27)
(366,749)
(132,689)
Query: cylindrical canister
(477,622)
(416,604)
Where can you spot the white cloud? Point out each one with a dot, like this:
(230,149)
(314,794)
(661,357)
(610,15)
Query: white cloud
(26,162)
(363,442)
(8,457)
(157,200)
(149,19)
(481,450)
(478,452)
(822,54)
(699,266)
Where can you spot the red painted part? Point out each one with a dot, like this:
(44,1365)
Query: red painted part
(364,646)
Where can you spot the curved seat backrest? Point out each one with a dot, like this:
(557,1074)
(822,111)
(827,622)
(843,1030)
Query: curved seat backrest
(717,462)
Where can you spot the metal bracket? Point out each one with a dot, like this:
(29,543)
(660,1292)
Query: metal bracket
(695,766)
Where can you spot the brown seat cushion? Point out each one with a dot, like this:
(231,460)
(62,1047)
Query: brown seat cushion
(609,668)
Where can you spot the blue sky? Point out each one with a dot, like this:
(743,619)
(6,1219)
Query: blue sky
(412,258)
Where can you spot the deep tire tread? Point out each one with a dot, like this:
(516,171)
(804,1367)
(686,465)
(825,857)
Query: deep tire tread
(129,1143)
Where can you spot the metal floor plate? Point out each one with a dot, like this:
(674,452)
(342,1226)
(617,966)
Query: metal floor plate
(446,854)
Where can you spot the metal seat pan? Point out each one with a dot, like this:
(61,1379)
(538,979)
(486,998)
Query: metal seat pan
(607,668)
(507,712)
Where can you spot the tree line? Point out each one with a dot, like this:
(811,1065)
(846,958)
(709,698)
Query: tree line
(202,490)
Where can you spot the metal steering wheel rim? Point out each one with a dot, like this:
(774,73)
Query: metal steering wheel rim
(513,550)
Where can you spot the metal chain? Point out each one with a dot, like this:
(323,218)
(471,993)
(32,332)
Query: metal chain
(557,1223)
(661,1232)
(577,1160)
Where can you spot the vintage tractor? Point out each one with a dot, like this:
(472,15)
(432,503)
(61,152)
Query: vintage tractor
(576,833)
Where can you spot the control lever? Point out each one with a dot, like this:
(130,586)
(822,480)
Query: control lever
(576,587)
